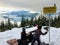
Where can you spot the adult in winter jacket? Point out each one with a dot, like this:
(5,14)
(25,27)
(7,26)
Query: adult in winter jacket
(36,35)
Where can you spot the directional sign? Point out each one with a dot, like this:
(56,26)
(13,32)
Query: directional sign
(49,9)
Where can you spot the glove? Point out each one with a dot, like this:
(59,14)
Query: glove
(46,28)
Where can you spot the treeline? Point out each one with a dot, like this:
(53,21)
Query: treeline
(7,26)
(29,23)
(41,21)
(55,22)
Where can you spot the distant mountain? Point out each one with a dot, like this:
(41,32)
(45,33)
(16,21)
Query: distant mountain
(21,13)
(16,15)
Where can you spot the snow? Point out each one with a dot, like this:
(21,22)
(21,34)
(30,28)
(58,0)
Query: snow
(16,33)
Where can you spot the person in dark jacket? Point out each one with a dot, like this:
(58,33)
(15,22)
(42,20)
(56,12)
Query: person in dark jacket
(23,40)
(23,34)
(36,35)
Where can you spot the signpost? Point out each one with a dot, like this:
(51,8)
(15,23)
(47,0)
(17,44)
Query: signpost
(49,10)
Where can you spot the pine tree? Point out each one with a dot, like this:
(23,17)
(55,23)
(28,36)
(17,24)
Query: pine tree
(31,22)
(15,24)
(2,26)
(9,25)
(27,22)
(23,22)
(35,21)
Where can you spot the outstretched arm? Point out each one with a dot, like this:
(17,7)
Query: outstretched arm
(32,31)
(44,33)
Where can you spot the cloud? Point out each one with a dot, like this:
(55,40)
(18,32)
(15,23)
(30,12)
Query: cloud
(35,5)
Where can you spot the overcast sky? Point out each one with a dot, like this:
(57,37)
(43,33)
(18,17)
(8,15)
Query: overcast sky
(34,5)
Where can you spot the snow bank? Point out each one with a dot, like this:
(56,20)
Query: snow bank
(16,33)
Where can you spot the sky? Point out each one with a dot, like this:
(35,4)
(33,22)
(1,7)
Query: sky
(33,5)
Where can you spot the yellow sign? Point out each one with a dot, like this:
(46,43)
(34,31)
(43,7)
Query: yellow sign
(49,9)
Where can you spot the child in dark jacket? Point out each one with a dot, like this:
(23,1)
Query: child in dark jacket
(23,37)
(23,34)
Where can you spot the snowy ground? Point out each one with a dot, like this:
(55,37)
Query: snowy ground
(15,33)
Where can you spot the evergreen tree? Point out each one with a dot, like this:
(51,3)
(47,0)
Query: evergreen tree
(31,22)
(23,22)
(27,22)
(59,18)
(35,21)
(9,25)
(15,24)
(2,26)
(39,20)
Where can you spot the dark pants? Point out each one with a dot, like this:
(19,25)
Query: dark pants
(22,42)
(36,39)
